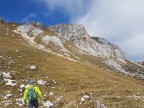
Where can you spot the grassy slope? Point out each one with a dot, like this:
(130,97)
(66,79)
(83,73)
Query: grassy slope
(73,78)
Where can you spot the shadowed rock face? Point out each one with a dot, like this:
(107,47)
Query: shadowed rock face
(142,63)
(96,46)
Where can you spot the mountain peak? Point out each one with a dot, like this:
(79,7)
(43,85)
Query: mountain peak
(95,46)
(71,31)
(37,24)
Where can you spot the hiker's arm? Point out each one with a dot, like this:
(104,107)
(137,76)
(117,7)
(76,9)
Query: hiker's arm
(39,93)
(25,95)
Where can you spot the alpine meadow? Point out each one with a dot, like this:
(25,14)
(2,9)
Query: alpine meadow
(71,68)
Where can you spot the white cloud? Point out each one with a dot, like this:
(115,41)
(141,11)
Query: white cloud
(73,8)
(110,17)
(29,17)
(133,47)
(119,21)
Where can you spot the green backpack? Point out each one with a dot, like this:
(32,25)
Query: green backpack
(32,95)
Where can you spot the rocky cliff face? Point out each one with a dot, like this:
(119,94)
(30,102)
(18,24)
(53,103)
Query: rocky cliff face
(142,63)
(73,32)
(59,42)
(95,46)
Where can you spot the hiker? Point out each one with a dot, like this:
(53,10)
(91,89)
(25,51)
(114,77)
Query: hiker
(32,93)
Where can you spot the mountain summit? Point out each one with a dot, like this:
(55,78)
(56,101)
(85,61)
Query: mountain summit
(95,46)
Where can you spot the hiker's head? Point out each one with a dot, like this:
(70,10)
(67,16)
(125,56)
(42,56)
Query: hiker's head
(31,82)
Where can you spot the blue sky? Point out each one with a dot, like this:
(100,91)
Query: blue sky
(30,10)
(119,21)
